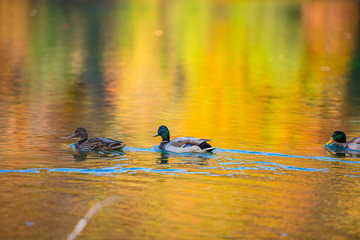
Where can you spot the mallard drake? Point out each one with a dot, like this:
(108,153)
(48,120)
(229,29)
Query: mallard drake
(95,144)
(182,144)
(339,139)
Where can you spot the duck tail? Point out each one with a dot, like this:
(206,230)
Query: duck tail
(119,147)
(206,147)
(209,149)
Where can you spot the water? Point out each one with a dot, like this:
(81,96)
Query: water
(267,81)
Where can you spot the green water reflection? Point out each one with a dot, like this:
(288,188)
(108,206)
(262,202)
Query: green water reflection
(272,79)
(284,72)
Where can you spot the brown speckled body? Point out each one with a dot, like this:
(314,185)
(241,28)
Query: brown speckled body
(95,144)
(100,144)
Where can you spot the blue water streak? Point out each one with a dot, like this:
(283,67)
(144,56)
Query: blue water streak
(272,154)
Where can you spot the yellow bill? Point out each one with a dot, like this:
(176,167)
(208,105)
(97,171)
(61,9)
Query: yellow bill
(330,141)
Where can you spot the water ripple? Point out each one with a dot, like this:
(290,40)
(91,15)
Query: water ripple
(223,163)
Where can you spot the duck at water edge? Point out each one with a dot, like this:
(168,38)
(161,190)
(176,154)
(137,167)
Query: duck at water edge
(182,144)
(96,143)
(338,138)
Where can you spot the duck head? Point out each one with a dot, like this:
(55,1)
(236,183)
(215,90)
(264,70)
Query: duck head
(337,136)
(80,133)
(163,131)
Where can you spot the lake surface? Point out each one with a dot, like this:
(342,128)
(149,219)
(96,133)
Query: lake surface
(267,81)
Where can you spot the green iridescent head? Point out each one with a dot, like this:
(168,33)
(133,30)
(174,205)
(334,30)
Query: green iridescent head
(337,136)
(163,131)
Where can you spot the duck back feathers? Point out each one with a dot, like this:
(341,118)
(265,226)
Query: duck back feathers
(353,144)
(188,144)
(101,144)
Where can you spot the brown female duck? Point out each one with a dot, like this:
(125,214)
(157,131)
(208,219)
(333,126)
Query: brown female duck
(95,144)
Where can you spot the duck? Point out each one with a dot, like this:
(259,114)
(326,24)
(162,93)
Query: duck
(96,143)
(339,139)
(182,144)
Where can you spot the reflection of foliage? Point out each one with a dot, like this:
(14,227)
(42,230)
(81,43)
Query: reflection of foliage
(245,70)
(354,79)
(251,66)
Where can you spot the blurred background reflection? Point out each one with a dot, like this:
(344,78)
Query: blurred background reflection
(269,76)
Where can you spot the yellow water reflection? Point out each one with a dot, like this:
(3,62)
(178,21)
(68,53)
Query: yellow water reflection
(271,76)
(249,75)
(244,75)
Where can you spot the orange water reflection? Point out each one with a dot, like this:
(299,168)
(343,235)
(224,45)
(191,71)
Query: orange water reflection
(226,71)
(253,75)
